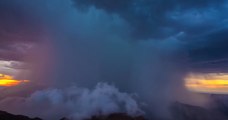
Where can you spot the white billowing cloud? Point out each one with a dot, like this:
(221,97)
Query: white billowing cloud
(74,103)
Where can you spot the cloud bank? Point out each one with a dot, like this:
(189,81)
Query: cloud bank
(73,103)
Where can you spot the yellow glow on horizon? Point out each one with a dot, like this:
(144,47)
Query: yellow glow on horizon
(7,81)
(207,83)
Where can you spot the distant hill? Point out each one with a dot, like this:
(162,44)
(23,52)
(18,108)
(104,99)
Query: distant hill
(182,111)
(7,116)
(179,111)
(117,116)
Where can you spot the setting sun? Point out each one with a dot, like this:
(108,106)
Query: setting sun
(7,81)
(207,83)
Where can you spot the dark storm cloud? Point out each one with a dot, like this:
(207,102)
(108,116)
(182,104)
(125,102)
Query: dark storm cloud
(210,51)
(156,19)
(17,27)
(149,17)
(199,22)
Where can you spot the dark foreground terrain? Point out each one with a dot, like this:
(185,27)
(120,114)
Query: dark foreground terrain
(179,111)
(7,116)
(116,116)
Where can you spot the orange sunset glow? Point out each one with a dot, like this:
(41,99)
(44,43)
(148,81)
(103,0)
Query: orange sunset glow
(8,81)
(207,83)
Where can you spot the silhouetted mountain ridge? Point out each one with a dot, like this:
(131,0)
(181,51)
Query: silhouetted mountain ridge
(182,111)
(116,116)
(179,111)
(7,116)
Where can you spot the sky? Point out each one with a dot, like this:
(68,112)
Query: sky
(137,46)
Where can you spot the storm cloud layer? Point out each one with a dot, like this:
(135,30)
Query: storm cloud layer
(202,24)
(194,22)
(140,46)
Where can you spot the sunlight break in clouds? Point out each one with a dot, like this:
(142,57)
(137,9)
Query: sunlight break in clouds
(8,81)
(207,83)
